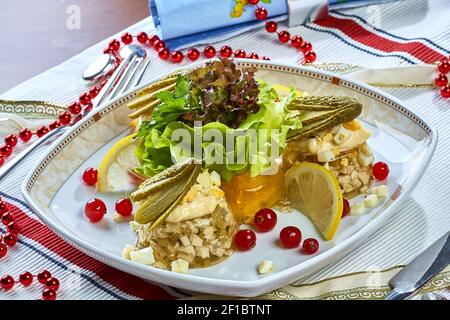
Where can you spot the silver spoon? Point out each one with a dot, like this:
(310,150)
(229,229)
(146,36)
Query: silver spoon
(433,296)
(99,67)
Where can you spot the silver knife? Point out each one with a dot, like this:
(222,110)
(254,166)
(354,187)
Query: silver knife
(421,269)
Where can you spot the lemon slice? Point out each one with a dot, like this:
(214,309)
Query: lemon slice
(315,191)
(284,91)
(113,170)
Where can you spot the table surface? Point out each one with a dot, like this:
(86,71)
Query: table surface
(37,35)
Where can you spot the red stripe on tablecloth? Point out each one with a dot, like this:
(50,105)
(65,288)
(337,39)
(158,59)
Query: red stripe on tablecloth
(358,33)
(35,230)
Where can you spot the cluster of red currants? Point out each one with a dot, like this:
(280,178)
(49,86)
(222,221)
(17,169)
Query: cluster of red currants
(51,284)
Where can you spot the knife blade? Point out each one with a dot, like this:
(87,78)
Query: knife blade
(419,271)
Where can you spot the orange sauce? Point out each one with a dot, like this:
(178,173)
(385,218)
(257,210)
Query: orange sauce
(246,196)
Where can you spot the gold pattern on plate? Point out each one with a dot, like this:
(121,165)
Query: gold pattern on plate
(30,109)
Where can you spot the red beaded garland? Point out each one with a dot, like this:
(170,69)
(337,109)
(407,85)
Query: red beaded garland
(64,118)
(49,294)
(240,54)
(152,40)
(127,38)
(114,45)
(7,218)
(271,26)
(226,51)
(42,131)
(209,52)
(11,140)
(310,56)
(26,278)
(284,36)
(164,53)
(159,44)
(253,1)
(6,150)
(2,160)
(193,54)
(85,99)
(7,282)
(296,41)
(3,250)
(75,108)
(142,37)
(10,239)
(94,92)
(25,134)
(441,80)
(54,125)
(253,55)
(306,46)
(445,92)
(52,283)
(444,66)
(261,13)
(14,227)
(43,276)
(88,109)
(177,56)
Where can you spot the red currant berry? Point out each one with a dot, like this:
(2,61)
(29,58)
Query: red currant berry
(152,40)
(52,283)
(290,237)
(142,37)
(42,131)
(48,294)
(127,38)
(209,52)
(164,53)
(4,208)
(14,227)
(7,282)
(261,13)
(7,218)
(193,54)
(10,239)
(85,99)
(43,276)
(54,125)
(114,45)
(75,108)
(124,207)
(310,246)
(441,80)
(64,118)
(25,134)
(245,239)
(240,54)
(310,56)
(296,41)
(271,26)
(6,150)
(284,36)
(94,210)
(2,160)
(265,58)
(445,92)
(380,171)
(159,44)
(94,92)
(253,55)
(26,278)
(444,66)
(3,250)
(90,176)
(306,46)
(11,140)
(254,2)
(265,220)
(177,56)
(345,208)
(226,52)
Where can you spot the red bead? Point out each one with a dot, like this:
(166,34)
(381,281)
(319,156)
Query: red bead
(310,56)
(3,250)
(245,239)
(159,44)
(75,108)
(240,54)
(152,40)
(88,109)
(444,66)
(253,1)
(64,118)
(193,54)
(306,46)
(226,52)
(94,92)
(10,239)
(54,125)
(209,52)
(6,150)
(127,38)
(345,208)
(290,237)
(85,99)
(380,171)
(284,36)
(7,218)
(2,160)
(7,282)
(271,26)
(49,294)
(52,283)
(261,13)
(265,220)
(445,92)
(103,83)
(114,45)
(441,80)
(310,246)
(142,37)
(108,50)
(124,207)
(77,119)
(26,278)
(43,276)
(42,131)
(164,53)
(90,176)
(94,210)
(4,208)
(253,55)
(297,41)
(11,140)
(14,227)
(25,134)
(177,56)
(265,58)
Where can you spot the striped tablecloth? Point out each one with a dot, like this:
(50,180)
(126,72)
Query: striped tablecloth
(387,35)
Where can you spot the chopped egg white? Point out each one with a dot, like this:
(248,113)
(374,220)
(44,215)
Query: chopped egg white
(265,266)
(364,159)
(325,156)
(180,266)
(127,249)
(371,201)
(143,256)
(341,136)
(312,145)
(357,209)
(380,191)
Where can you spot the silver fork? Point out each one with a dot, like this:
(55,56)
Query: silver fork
(128,75)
